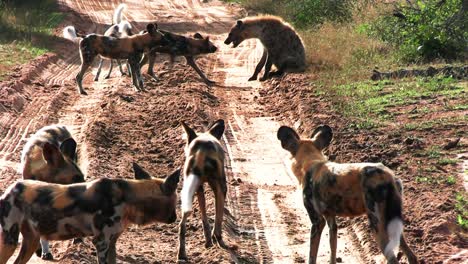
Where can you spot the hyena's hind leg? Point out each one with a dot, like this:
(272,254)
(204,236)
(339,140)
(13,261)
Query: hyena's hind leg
(259,67)
(29,244)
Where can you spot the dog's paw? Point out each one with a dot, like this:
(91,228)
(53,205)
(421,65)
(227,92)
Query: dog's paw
(253,78)
(47,256)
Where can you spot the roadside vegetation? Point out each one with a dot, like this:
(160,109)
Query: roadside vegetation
(26,28)
(347,40)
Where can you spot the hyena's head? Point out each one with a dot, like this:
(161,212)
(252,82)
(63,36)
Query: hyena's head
(166,211)
(238,33)
(61,167)
(304,150)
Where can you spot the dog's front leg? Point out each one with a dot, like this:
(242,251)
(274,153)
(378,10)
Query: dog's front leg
(96,78)
(111,66)
(134,74)
(206,224)
(191,62)
(182,255)
(102,245)
(28,245)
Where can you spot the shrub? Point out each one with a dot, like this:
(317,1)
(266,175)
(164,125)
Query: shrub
(425,30)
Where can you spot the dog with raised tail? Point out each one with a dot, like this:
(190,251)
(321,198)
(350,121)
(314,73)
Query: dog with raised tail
(204,163)
(119,29)
(130,48)
(345,189)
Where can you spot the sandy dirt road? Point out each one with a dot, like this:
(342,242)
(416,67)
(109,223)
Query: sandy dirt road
(114,125)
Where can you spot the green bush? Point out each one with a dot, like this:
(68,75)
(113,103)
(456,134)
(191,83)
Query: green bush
(425,30)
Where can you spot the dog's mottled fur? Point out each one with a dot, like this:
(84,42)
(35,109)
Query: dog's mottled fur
(130,48)
(102,209)
(351,189)
(50,155)
(204,162)
(187,47)
(282,45)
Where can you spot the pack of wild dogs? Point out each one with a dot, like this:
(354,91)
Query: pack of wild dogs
(53,201)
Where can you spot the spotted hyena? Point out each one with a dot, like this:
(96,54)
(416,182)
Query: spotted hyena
(101,209)
(349,189)
(282,45)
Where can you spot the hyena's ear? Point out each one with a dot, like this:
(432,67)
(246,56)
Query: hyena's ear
(322,136)
(239,23)
(191,135)
(170,183)
(68,148)
(198,36)
(217,129)
(52,154)
(289,139)
(140,173)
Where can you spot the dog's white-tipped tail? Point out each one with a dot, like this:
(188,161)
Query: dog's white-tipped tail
(117,18)
(124,26)
(394,231)
(191,184)
(69,32)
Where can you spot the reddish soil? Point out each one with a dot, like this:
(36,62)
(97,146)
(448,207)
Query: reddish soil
(114,125)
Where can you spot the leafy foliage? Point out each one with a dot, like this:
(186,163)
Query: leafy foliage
(425,30)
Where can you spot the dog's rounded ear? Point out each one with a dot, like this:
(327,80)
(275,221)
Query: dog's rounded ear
(289,139)
(191,135)
(170,183)
(68,148)
(217,129)
(198,36)
(322,136)
(239,23)
(140,173)
(52,155)
(150,28)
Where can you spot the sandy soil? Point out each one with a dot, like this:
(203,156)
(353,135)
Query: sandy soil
(115,125)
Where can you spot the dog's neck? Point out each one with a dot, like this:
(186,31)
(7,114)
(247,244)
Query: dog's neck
(300,167)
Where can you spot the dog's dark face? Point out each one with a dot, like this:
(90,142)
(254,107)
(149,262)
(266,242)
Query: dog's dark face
(237,34)
(305,149)
(204,44)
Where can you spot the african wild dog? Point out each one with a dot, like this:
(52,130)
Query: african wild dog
(119,29)
(187,47)
(102,209)
(204,163)
(350,189)
(282,45)
(131,48)
(49,156)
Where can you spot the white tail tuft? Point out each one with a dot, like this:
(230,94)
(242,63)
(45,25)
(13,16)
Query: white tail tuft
(117,18)
(394,231)
(124,26)
(69,33)
(191,184)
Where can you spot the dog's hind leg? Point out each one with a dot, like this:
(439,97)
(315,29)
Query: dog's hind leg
(102,245)
(45,250)
(111,66)
(318,223)
(206,224)
(8,242)
(29,244)
(220,196)
(182,254)
(121,68)
(86,60)
(96,78)
(112,254)
(331,222)
(151,61)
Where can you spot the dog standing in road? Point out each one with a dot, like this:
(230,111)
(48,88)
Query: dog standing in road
(50,156)
(204,163)
(102,209)
(349,189)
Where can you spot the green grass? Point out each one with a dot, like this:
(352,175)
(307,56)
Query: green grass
(370,101)
(26,31)
(461,206)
